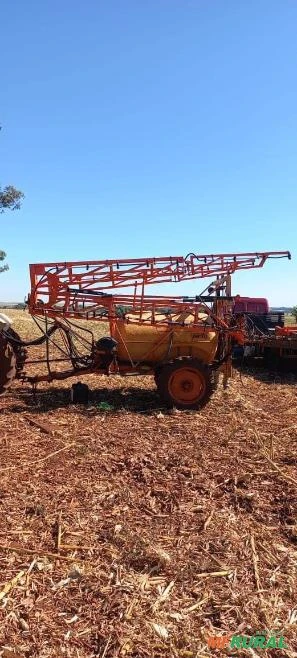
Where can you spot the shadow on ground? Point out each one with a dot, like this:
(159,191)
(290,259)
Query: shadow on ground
(285,373)
(130,399)
(137,400)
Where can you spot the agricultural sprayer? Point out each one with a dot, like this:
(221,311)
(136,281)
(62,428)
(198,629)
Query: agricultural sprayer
(184,342)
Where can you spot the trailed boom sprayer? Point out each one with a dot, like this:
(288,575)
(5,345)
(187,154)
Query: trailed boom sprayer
(184,342)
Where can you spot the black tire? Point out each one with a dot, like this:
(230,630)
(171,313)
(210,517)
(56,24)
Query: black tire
(156,374)
(19,350)
(8,364)
(186,383)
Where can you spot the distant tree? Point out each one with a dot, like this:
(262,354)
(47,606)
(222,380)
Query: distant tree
(10,199)
(2,257)
(294,313)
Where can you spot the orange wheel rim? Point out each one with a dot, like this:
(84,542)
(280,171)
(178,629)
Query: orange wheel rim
(186,385)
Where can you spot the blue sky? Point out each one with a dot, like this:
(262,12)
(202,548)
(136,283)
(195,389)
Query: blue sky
(150,127)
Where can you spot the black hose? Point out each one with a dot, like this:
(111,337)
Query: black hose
(36,341)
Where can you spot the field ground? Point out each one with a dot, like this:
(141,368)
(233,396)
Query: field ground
(134,531)
(289,319)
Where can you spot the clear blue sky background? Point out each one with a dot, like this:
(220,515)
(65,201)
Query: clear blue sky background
(150,127)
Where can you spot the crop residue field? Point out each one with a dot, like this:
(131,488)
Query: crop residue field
(130,530)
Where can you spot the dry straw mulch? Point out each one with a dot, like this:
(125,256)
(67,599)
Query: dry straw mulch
(128,530)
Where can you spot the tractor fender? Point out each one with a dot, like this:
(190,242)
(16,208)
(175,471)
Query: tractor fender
(5,322)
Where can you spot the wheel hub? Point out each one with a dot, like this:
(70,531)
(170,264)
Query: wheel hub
(186,385)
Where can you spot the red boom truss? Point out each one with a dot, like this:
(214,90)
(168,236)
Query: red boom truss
(85,289)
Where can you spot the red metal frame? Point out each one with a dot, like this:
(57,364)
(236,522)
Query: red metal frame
(290,330)
(84,289)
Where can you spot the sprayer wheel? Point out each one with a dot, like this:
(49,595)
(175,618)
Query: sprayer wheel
(8,367)
(185,383)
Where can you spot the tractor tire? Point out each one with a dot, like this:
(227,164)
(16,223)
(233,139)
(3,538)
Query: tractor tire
(156,374)
(8,364)
(19,350)
(186,383)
